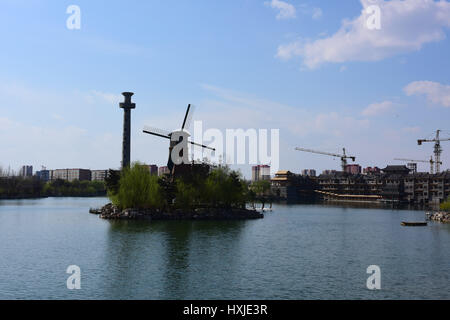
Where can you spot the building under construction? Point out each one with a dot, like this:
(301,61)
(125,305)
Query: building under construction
(392,184)
(399,183)
(291,187)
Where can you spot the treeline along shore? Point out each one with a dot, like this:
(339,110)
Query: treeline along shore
(33,187)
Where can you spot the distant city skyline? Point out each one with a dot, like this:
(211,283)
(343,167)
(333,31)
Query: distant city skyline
(311,69)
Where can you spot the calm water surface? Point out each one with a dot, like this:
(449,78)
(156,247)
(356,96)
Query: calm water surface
(295,252)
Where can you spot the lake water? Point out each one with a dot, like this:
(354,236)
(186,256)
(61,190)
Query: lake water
(295,252)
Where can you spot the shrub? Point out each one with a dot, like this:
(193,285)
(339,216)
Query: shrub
(225,188)
(261,187)
(137,189)
(446,205)
(186,196)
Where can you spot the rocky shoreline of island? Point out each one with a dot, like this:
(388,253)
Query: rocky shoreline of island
(439,216)
(111,212)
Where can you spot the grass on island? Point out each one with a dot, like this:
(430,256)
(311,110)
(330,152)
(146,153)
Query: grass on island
(219,187)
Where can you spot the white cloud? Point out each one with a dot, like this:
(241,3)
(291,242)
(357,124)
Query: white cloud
(406,25)
(411,129)
(112,47)
(54,146)
(435,92)
(314,12)
(259,113)
(28,95)
(288,51)
(299,127)
(338,125)
(111,98)
(285,10)
(378,108)
(58,128)
(317,13)
(57,116)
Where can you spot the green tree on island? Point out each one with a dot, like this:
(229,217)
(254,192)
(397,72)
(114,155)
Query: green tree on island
(446,205)
(260,191)
(218,188)
(137,189)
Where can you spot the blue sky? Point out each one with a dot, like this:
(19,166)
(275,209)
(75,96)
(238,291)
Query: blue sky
(309,68)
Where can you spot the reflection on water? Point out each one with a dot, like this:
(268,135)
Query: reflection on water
(295,252)
(164,254)
(377,205)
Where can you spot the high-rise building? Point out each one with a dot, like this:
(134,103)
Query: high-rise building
(163,170)
(260,172)
(59,174)
(353,168)
(71,174)
(99,175)
(153,169)
(26,171)
(309,173)
(43,175)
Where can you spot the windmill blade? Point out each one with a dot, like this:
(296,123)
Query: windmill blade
(188,117)
(201,145)
(157,132)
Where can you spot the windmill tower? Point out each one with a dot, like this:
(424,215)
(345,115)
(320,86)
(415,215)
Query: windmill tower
(127,105)
(179,140)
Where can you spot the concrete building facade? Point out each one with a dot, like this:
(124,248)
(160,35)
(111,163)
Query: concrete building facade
(43,175)
(372,170)
(26,171)
(99,175)
(309,173)
(260,172)
(391,184)
(353,169)
(291,187)
(425,188)
(71,174)
(153,169)
(163,170)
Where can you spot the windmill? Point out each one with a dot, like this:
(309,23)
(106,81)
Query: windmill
(179,140)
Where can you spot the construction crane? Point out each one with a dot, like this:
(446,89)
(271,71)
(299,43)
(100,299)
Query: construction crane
(343,156)
(431,162)
(437,148)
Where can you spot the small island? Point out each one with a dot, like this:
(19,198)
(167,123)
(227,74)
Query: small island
(443,215)
(195,192)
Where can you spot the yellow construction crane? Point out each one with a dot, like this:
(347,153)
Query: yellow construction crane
(343,156)
(437,148)
(431,162)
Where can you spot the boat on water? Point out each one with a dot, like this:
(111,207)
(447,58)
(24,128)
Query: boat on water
(414,224)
